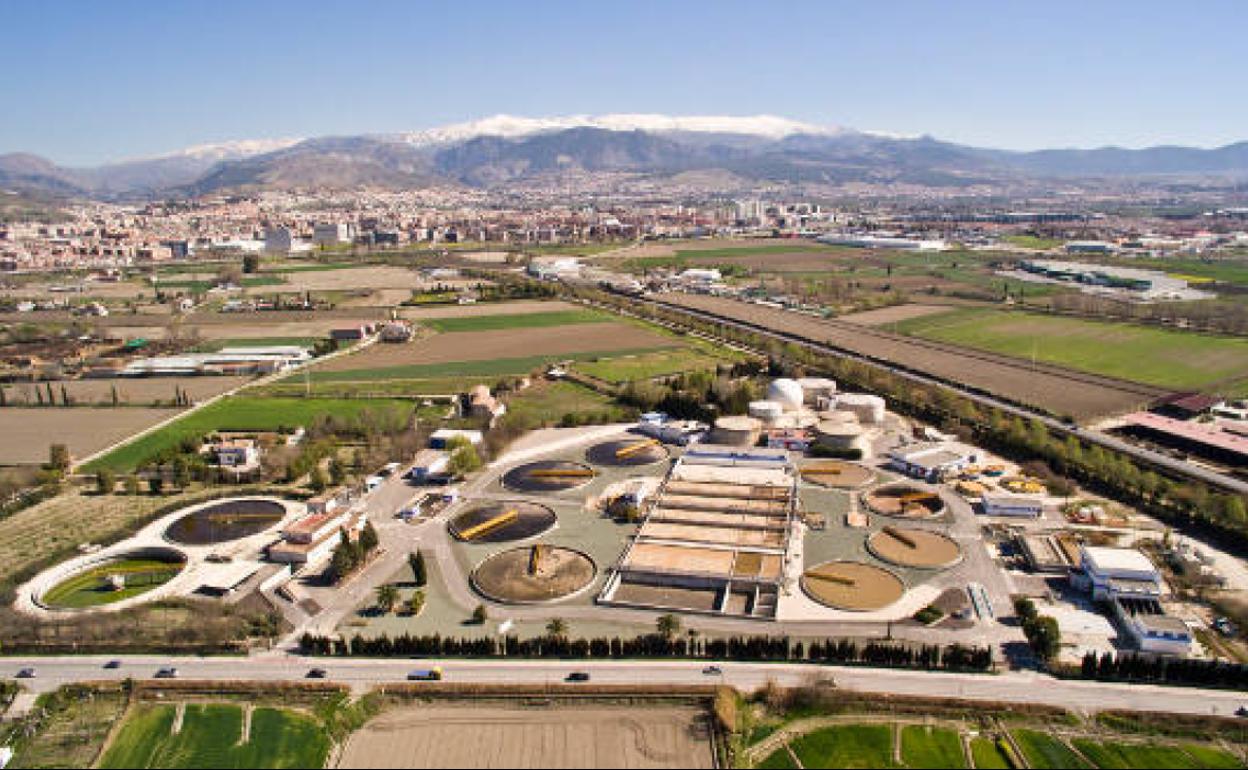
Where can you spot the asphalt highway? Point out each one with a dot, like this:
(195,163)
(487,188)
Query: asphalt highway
(362,674)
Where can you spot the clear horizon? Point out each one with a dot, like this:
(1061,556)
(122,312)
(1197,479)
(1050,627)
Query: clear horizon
(110,82)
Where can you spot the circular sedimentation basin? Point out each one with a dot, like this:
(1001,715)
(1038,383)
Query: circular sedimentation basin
(533,574)
(226,520)
(909,547)
(904,502)
(114,578)
(627,453)
(502,522)
(837,474)
(852,585)
(548,476)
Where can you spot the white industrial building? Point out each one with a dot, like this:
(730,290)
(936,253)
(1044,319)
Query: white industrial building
(1006,504)
(931,461)
(1126,580)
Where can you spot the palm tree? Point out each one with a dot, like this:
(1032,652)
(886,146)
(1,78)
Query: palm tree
(668,626)
(387,596)
(557,628)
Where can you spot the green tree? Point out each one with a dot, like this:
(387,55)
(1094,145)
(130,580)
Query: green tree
(181,472)
(417,562)
(387,597)
(58,457)
(668,625)
(132,485)
(105,481)
(416,603)
(156,484)
(368,539)
(480,615)
(464,458)
(251,263)
(557,628)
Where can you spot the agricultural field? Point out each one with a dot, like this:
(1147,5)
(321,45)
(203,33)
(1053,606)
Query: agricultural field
(509,308)
(848,746)
(71,735)
(490,353)
(481,323)
(217,736)
(247,413)
(1162,357)
(503,737)
(1044,750)
(29,431)
(894,314)
(130,391)
(923,746)
(1059,390)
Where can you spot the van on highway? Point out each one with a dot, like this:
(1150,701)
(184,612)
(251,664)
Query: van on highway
(425,675)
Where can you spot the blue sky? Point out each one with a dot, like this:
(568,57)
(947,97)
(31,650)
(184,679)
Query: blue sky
(84,82)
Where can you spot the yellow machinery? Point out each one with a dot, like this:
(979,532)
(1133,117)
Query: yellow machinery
(476,530)
(838,579)
(561,473)
(822,470)
(628,451)
(901,537)
(535,558)
(916,497)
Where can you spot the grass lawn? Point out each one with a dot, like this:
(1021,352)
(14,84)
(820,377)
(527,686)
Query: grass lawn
(482,323)
(777,760)
(856,746)
(88,589)
(659,363)
(490,368)
(1033,242)
(1043,751)
(1162,357)
(245,413)
(433,386)
(211,737)
(548,402)
(985,753)
(931,747)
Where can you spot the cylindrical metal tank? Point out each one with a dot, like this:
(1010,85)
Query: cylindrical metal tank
(767,411)
(736,430)
(869,408)
(787,393)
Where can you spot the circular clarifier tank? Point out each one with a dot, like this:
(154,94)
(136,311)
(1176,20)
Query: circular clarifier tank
(548,476)
(910,547)
(226,520)
(534,574)
(852,585)
(502,522)
(629,452)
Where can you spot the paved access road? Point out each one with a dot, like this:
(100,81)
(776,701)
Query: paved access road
(1013,687)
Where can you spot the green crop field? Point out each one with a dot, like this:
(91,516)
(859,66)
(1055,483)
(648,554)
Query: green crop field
(1114,756)
(482,323)
(499,367)
(247,413)
(1043,751)
(88,589)
(777,760)
(212,736)
(985,753)
(1162,357)
(212,346)
(868,746)
(931,747)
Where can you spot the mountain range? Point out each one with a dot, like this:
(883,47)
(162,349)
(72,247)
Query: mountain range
(502,151)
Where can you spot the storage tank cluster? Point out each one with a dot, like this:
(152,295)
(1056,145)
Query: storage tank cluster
(868,408)
(787,393)
(767,411)
(736,430)
(839,431)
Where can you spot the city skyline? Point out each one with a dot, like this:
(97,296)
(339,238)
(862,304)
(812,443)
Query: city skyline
(975,74)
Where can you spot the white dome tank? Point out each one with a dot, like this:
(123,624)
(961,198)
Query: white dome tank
(767,411)
(788,393)
(869,408)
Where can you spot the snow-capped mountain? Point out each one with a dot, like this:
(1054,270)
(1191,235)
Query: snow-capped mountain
(513,127)
(504,150)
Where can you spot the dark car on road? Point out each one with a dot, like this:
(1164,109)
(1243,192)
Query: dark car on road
(168,672)
(317,673)
(113,665)
(26,673)
(578,676)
